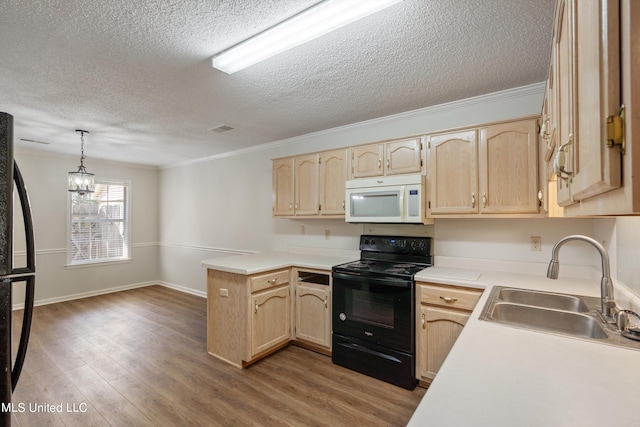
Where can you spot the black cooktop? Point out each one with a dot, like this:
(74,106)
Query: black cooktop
(387,256)
(367,267)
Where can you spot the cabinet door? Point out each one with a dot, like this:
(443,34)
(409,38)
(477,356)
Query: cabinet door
(283,187)
(548,142)
(366,160)
(453,173)
(333,175)
(307,201)
(509,168)
(548,128)
(270,319)
(313,314)
(596,59)
(403,156)
(440,330)
(564,93)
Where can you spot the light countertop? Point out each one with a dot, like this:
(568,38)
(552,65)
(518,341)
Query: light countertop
(266,261)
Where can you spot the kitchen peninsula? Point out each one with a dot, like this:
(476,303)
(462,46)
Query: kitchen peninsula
(249,304)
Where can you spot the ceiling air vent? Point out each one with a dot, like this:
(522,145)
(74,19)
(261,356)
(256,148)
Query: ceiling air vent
(222,129)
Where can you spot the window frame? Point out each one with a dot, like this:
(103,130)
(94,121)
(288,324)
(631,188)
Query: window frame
(127,225)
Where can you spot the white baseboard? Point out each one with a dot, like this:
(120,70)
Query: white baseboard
(47,301)
(184,289)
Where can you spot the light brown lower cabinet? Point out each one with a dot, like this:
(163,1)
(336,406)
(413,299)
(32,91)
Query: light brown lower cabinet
(442,313)
(313,309)
(251,316)
(270,319)
(248,317)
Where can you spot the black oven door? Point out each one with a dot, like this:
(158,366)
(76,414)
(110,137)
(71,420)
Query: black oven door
(379,311)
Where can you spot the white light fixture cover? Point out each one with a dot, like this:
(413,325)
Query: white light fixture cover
(308,25)
(81,181)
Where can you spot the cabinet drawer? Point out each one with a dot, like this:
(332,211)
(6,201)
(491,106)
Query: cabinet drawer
(268,280)
(445,296)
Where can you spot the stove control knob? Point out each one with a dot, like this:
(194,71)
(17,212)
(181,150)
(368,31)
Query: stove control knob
(373,242)
(366,241)
(342,316)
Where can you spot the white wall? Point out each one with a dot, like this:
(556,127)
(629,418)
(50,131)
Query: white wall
(46,178)
(222,206)
(223,203)
(627,235)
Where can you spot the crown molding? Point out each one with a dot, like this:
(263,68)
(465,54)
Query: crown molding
(518,92)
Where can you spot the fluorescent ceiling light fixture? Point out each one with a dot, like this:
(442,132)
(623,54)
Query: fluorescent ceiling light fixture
(308,25)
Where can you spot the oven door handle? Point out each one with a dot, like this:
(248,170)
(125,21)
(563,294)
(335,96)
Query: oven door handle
(397,283)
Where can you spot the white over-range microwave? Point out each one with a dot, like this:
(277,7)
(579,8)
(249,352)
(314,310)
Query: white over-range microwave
(388,199)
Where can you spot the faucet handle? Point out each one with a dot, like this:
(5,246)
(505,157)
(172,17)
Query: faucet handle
(622,318)
(631,331)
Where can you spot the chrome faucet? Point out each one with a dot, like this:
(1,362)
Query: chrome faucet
(608,304)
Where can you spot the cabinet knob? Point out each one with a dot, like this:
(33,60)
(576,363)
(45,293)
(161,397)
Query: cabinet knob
(290,206)
(388,162)
(423,322)
(256,308)
(449,300)
(326,302)
(484,200)
(379,163)
(273,281)
(473,200)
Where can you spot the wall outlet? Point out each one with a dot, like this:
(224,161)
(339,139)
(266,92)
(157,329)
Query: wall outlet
(327,234)
(535,243)
(224,292)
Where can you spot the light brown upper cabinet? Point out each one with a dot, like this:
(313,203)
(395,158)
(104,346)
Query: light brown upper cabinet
(282,175)
(549,141)
(311,185)
(334,170)
(453,173)
(593,65)
(387,158)
(492,170)
(509,168)
(307,175)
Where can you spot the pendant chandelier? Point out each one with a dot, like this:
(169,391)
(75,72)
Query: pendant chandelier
(81,181)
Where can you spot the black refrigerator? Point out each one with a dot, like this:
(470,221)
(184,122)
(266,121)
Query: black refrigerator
(11,182)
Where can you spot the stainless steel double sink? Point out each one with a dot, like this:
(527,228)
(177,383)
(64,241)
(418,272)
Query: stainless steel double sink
(564,314)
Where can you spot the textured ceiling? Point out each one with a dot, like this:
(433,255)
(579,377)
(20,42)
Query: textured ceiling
(138,76)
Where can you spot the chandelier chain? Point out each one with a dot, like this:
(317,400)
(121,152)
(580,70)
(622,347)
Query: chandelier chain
(82,156)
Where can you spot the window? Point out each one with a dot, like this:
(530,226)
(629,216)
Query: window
(99,224)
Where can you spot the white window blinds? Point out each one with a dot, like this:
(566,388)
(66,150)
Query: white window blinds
(99,224)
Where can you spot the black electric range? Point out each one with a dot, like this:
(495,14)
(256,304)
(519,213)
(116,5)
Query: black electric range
(373,312)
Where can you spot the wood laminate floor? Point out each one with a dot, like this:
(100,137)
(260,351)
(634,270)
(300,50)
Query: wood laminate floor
(138,358)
